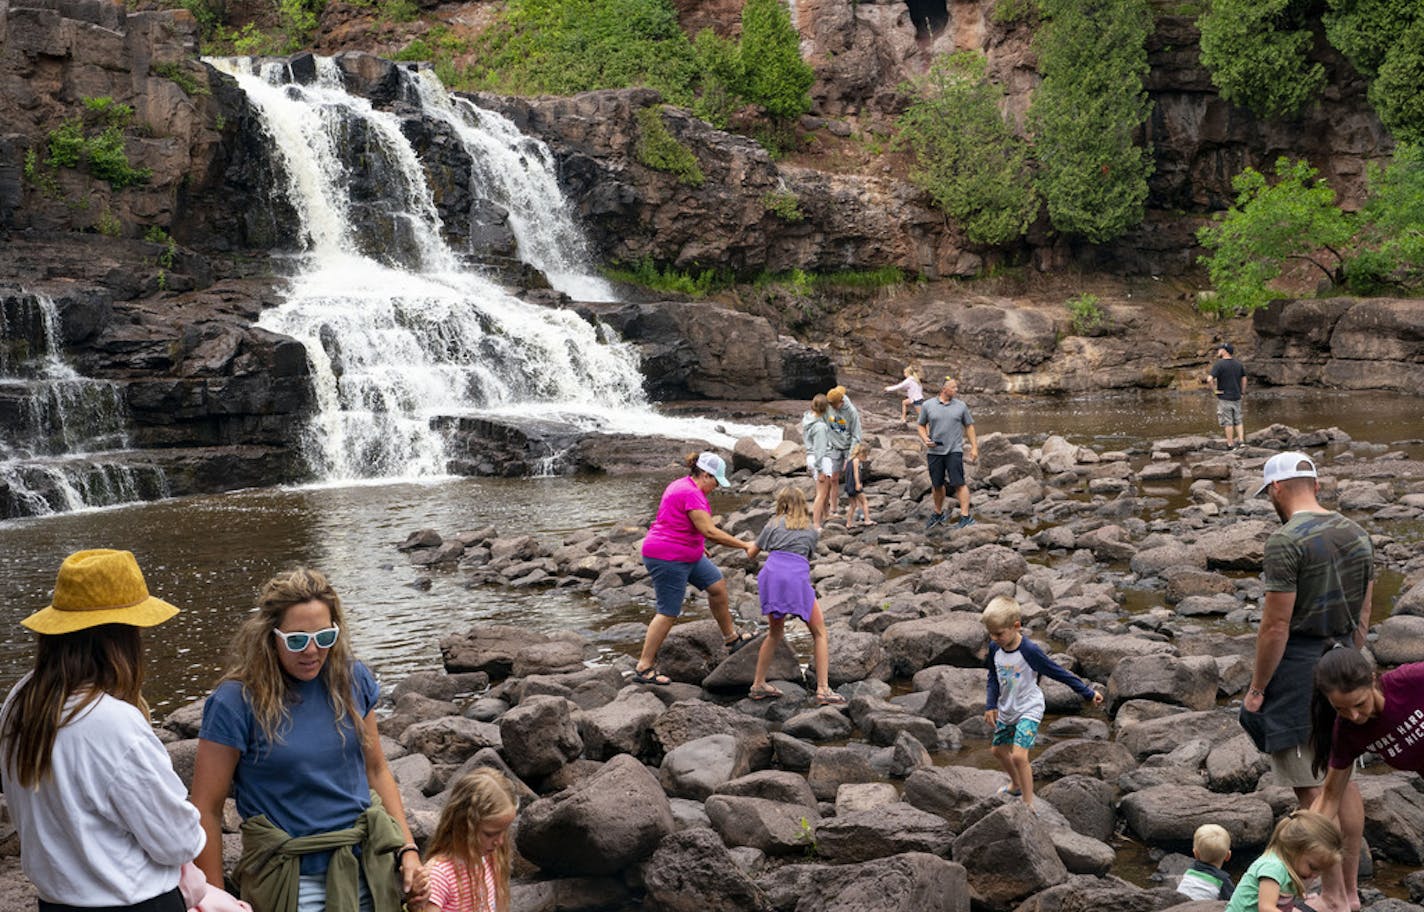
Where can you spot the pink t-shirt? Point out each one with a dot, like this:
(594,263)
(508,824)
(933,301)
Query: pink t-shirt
(1397,733)
(452,889)
(673,537)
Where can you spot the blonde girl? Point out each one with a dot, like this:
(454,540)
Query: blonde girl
(468,869)
(1303,845)
(914,392)
(855,486)
(784,586)
(816,433)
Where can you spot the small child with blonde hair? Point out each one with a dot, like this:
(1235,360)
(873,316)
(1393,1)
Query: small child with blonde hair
(913,390)
(855,486)
(1014,704)
(469,855)
(1211,847)
(1303,844)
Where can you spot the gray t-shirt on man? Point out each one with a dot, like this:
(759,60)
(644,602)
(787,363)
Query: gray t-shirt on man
(946,422)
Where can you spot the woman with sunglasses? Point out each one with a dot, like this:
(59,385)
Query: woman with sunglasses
(291,731)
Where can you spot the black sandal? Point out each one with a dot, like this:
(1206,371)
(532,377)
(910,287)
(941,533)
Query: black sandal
(738,640)
(651,676)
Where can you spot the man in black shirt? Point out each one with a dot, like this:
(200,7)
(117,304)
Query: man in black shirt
(1228,381)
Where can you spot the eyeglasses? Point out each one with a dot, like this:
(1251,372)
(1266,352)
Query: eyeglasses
(296,642)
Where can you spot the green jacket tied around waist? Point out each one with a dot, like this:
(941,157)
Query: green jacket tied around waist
(271,858)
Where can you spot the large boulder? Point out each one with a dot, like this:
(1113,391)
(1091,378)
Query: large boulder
(692,871)
(914,881)
(773,827)
(624,726)
(453,739)
(1238,546)
(952,792)
(956,638)
(1167,733)
(1009,855)
(1190,681)
(880,832)
(1098,654)
(491,648)
(697,768)
(539,736)
(599,826)
(1168,816)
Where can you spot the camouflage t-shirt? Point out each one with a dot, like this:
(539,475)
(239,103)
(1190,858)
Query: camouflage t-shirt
(1327,560)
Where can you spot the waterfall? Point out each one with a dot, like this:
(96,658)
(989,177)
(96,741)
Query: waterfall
(399,335)
(518,171)
(64,432)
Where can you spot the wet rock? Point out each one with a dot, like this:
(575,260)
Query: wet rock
(956,638)
(600,826)
(1108,543)
(832,767)
(1106,760)
(539,736)
(1085,800)
(909,755)
(687,720)
(881,832)
(738,670)
(1162,735)
(919,881)
(951,791)
(451,739)
(1394,816)
(692,871)
(695,769)
(421,539)
(1190,681)
(1009,855)
(411,708)
(553,657)
(1168,815)
(438,685)
(1235,765)
(1097,655)
(1400,640)
(854,656)
(490,648)
(780,786)
(692,650)
(1082,854)
(772,827)
(1108,894)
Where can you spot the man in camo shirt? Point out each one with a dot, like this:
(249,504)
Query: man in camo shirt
(1319,576)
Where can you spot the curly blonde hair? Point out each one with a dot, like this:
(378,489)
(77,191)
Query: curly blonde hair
(256,666)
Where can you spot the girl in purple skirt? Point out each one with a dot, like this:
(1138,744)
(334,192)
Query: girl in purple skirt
(785,588)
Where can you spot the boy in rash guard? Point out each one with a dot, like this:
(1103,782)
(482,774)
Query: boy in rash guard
(1015,703)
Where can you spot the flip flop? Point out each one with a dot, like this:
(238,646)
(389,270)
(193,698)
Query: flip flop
(651,676)
(830,699)
(741,639)
(764,693)
(1005,790)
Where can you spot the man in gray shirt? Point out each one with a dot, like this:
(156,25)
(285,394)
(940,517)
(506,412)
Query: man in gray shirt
(944,423)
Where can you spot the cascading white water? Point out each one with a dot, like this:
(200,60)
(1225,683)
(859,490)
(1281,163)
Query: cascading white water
(66,428)
(400,335)
(517,171)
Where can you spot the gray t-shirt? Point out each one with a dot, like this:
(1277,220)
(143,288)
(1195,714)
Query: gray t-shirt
(776,537)
(946,422)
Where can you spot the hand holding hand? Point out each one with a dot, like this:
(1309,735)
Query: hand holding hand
(752,550)
(414,883)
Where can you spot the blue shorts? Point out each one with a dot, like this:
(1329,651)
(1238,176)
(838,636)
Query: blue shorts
(947,467)
(1021,734)
(670,579)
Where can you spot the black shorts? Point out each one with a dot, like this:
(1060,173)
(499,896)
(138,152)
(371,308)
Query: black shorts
(947,466)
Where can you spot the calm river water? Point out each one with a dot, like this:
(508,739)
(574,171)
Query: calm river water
(208,555)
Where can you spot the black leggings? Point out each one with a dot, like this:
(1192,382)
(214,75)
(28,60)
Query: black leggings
(172,901)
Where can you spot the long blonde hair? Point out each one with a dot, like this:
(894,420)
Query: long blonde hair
(1299,834)
(791,508)
(104,659)
(256,667)
(475,797)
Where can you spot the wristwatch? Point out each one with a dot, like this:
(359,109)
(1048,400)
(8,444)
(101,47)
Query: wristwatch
(1255,692)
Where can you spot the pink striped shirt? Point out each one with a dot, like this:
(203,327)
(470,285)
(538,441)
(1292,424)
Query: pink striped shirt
(453,889)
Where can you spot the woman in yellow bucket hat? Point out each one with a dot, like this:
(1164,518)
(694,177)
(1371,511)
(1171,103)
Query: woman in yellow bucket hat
(104,822)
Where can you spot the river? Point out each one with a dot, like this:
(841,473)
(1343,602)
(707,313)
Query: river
(208,555)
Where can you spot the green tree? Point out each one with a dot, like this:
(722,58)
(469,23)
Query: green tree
(966,157)
(776,76)
(721,78)
(1092,102)
(1295,218)
(1396,92)
(1364,30)
(1257,52)
(1392,246)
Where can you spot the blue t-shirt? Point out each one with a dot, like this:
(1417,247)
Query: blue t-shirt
(308,782)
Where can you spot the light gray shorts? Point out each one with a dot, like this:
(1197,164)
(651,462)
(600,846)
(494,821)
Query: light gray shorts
(1228,413)
(1292,767)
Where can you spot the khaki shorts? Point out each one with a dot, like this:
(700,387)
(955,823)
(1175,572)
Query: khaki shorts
(1291,767)
(1228,412)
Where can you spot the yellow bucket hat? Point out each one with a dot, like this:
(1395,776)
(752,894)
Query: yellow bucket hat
(96,587)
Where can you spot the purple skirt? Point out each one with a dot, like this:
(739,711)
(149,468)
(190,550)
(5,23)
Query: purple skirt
(785,586)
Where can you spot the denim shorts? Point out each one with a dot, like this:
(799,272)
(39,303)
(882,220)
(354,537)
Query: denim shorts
(311,893)
(1021,734)
(670,579)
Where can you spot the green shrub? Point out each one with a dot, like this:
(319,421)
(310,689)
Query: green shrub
(399,10)
(776,76)
(1397,94)
(299,19)
(1084,115)
(108,224)
(721,78)
(1086,313)
(1009,11)
(1257,52)
(1365,30)
(66,144)
(184,80)
(785,205)
(208,15)
(1294,218)
(108,161)
(965,157)
(695,284)
(659,149)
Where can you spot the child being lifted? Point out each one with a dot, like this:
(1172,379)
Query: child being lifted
(1015,702)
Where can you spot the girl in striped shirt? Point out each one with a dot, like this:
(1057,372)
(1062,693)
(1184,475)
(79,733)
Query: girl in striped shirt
(468,868)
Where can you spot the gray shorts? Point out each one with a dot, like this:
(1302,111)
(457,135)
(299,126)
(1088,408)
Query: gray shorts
(1291,767)
(838,461)
(1228,412)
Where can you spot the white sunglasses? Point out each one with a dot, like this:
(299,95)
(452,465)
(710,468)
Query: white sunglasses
(296,642)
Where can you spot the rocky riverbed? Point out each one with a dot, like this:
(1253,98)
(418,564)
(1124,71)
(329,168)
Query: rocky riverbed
(1137,569)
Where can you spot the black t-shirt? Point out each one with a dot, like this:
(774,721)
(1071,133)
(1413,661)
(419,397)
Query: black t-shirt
(1228,373)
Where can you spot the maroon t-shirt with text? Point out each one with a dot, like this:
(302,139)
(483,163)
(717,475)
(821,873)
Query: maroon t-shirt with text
(1397,733)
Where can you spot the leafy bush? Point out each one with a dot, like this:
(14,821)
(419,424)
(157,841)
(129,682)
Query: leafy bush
(659,149)
(721,76)
(1392,242)
(186,81)
(784,205)
(1396,93)
(72,145)
(1008,11)
(108,161)
(695,284)
(1364,30)
(966,157)
(399,10)
(1294,218)
(776,76)
(1256,52)
(1086,313)
(299,19)
(1085,113)
(569,46)
(66,144)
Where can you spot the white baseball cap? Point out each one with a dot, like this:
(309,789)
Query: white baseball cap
(1283,466)
(715,466)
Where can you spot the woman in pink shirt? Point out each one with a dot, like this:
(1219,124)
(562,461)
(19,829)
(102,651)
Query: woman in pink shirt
(675,554)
